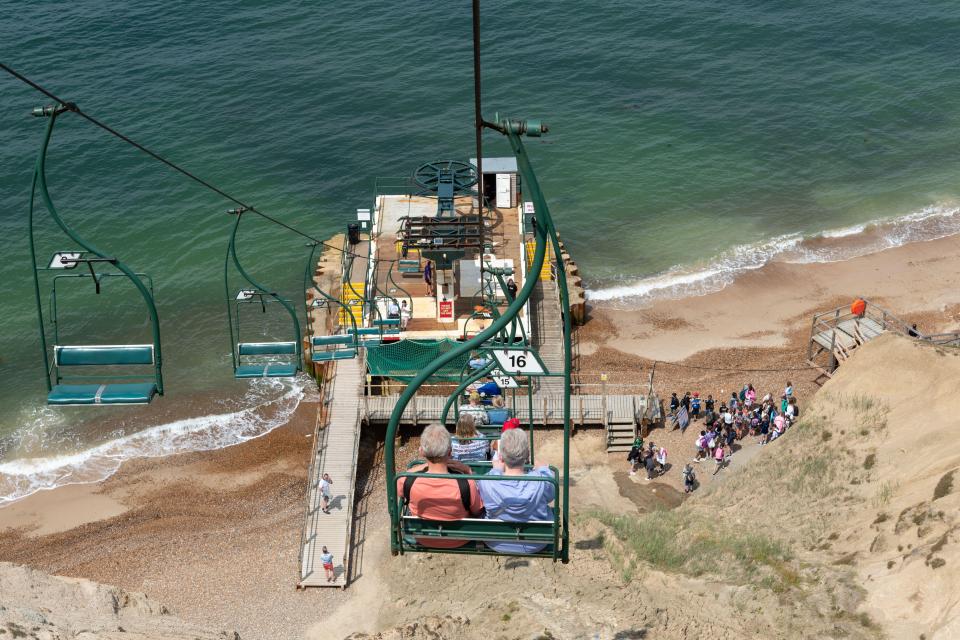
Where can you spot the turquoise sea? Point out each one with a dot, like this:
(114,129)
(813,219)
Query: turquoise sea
(690,140)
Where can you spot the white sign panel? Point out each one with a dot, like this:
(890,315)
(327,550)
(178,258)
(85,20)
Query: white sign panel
(518,362)
(528,207)
(363,215)
(64,260)
(503,381)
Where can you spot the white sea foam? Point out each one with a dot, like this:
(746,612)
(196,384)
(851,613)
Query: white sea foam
(833,245)
(22,477)
(683,282)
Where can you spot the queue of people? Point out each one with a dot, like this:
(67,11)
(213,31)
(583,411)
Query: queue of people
(743,415)
(652,458)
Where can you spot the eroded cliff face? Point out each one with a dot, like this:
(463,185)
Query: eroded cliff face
(38,606)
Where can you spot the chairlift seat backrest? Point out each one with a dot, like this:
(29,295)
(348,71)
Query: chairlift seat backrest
(266,348)
(321,341)
(103,354)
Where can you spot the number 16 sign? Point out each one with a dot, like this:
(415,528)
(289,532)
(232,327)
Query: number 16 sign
(518,362)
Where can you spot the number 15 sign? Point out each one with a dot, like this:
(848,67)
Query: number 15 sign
(518,362)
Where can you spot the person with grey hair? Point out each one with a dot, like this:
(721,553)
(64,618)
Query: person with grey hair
(517,500)
(441,499)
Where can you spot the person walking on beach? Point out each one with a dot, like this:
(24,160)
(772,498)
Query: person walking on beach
(635,456)
(326,558)
(325,483)
(661,460)
(650,462)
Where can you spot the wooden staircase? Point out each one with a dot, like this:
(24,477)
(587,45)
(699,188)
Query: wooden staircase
(836,334)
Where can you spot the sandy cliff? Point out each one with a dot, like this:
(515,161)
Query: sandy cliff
(36,605)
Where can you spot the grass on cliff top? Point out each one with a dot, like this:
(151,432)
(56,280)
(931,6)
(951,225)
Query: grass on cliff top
(682,542)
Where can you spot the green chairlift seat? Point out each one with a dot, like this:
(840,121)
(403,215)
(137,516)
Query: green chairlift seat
(94,394)
(322,352)
(103,392)
(475,531)
(554,535)
(338,354)
(374,331)
(270,358)
(114,374)
(408,266)
(267,369)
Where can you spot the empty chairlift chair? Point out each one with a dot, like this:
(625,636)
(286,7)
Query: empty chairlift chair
(88,374)
(341,346)
(106,392)
(266,358)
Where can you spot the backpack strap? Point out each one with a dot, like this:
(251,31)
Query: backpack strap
(407,485)
(462,484)
(464,494)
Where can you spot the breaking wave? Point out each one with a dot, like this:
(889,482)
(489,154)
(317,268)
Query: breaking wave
(834,245)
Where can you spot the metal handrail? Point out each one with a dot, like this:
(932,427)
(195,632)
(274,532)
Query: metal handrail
(308,492)
(353,484)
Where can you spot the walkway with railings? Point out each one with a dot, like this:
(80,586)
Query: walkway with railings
(835,334)
(337,440)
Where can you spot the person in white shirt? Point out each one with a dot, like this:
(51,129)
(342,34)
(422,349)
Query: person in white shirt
(393,310)
(325,483)
(405,315)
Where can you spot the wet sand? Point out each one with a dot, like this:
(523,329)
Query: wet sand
(763,308)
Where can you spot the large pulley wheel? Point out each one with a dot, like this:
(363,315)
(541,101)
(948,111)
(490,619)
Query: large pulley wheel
(463,175)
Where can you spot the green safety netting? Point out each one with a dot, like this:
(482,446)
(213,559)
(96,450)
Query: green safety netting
(405,359)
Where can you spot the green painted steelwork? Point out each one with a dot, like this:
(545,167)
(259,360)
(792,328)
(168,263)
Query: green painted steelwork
(238,348)
(106,392)
(544,232)
(404,359)
(476,530)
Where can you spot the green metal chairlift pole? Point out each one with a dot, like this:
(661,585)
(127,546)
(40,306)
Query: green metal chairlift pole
(544,231)
(99,389)
(271,349)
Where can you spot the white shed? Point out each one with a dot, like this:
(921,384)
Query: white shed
(500,182)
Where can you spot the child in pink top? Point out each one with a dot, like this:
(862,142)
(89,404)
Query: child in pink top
(718,456)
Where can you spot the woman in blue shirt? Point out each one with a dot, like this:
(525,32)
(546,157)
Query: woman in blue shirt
(516,500)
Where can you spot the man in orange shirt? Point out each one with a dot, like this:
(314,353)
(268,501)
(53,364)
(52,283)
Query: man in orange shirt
(442,499)
(859,307)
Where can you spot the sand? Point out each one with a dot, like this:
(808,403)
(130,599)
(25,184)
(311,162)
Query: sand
(214,535)
(763,307)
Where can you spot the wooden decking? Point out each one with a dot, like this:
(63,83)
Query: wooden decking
(501,230)
(335,452)
(835,334)
(547,410)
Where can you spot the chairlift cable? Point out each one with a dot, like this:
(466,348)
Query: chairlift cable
(72,106)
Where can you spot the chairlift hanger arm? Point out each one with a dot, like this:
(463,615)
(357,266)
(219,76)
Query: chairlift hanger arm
(40,183)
